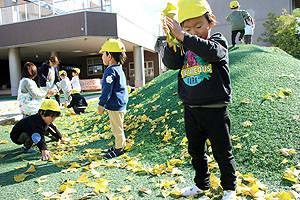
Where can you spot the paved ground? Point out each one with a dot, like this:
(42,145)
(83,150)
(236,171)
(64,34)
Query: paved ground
(9,109)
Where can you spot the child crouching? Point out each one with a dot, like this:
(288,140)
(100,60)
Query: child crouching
(78,102)
(34,128)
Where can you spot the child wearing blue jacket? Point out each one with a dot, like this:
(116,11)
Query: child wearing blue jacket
(114,96)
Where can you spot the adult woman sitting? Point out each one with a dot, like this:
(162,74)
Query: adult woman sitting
(30,97)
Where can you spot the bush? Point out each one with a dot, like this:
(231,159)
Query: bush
(283,32)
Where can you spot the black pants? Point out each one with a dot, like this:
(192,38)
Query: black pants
(213,124)
(234,33)
(248,39)
(79,109)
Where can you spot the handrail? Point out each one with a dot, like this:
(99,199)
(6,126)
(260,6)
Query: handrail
(35,9)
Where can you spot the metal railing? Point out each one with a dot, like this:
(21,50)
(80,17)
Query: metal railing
(38,9)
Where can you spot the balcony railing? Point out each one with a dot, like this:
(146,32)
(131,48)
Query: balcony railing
(35,9)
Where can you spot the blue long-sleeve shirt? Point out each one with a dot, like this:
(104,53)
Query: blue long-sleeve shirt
(114,94)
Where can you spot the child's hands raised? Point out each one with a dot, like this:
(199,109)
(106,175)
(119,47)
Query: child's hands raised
(174,27)
(46,154)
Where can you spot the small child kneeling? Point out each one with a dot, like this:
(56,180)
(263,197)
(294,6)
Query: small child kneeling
(33,129)
(78,102)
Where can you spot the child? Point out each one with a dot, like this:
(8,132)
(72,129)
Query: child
(114,96)
(237,19)
(32,129)
(65,86)
(78,102)
(75,80)
(48,76)
(249,30)
(205,89)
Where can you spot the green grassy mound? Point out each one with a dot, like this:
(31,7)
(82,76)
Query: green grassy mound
(154,128)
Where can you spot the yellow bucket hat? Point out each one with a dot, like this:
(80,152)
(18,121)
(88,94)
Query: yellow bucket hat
(113,45)
(189,9)
(77,70)
(50,104)
(62,72)
(234,4)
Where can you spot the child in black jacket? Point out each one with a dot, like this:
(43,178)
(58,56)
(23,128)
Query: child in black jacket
(33,129)
(78,102)
(205,89)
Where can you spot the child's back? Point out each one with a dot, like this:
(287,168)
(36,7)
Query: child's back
(237,19)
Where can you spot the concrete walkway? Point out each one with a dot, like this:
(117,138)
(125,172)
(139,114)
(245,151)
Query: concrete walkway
(9,109)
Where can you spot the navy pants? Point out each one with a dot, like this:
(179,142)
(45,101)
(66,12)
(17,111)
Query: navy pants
(213,124)
(234,34)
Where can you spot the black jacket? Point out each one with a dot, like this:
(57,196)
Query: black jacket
(43,73)
(31,125)
(203,78)
(77,100)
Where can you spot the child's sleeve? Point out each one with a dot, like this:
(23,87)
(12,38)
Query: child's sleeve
(54,131)
(172,59)
(107,88)
(212,50)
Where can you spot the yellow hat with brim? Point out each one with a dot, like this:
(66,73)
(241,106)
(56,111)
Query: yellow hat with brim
(50,104)
(189,9)
(113,45)
(62,72)
(77,70)
(234,4)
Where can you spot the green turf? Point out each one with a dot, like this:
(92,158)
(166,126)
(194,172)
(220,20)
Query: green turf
(255,72)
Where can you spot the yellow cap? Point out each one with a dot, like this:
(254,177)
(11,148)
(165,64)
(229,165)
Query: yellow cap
(113,45)
(77,70)
(62,72)
(234,4)
(50,104)
(189,9)
(74,91)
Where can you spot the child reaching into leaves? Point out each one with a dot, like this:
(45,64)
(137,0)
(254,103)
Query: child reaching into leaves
(78,102)
(33,129)
(114,96)
(205,89)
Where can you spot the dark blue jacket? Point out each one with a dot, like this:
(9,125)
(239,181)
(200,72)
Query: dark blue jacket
(114,94)
(43,73)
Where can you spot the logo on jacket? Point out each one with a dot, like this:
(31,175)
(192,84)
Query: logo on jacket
(109,79)
(195,69)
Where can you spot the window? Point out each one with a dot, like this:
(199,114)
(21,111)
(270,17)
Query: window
(95,66)
(149,70)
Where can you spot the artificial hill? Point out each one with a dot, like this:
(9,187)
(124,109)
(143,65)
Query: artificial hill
(265,120)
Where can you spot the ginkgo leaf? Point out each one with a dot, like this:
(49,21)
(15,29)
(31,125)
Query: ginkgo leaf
(246,101)
(126,188)
(83,178)
(129,178)
(247,124)
(20,177)
(2,155)
(30,169)
(3,142)
(287,152)
(37,190)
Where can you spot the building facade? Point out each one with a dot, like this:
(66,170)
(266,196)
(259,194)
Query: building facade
(34,30)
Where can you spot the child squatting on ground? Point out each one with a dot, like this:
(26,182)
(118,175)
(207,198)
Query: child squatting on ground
(78,102)
(114,96)
(205,89)
(237,19)
(33,129)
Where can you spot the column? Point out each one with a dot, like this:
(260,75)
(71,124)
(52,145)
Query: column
(139,68)
(14,59)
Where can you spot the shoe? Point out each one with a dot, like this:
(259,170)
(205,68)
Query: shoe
(242,41)
(188,191)
(30,150)
(229,195)
(110,149)
(114,153)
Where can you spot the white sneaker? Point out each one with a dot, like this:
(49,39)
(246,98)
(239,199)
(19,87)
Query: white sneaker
(188,191)
(229,195)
